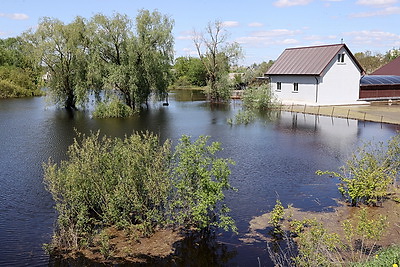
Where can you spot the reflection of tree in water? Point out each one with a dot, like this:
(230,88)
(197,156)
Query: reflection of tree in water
(202,250)
(194,250)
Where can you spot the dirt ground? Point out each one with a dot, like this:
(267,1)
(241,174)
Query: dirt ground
(383,112)
(122,248)
(332,220)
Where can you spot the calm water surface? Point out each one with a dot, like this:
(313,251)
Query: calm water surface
(275,157)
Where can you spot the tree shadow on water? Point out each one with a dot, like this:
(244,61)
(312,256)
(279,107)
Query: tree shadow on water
(193,250)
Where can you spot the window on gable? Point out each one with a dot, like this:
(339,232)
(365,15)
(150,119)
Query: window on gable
(341,58)
(278,86)
(295,87)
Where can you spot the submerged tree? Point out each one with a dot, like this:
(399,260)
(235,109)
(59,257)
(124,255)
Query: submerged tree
(135,64)
(62,50)
(106,53)
(217,55)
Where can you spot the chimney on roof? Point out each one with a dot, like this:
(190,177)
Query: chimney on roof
(341,41)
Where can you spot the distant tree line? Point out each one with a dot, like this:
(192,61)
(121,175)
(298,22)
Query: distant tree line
(18,74)
(372,61)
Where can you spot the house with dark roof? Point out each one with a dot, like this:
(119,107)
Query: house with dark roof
(382,84)
(316,75)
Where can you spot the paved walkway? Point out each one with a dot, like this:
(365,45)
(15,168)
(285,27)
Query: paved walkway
(377,112)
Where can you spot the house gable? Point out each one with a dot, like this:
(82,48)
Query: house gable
(321,75)
(311,60)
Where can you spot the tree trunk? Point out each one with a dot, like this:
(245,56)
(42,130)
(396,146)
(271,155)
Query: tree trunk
(70,102)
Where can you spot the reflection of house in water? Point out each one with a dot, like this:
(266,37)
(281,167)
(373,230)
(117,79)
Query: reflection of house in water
(337,133)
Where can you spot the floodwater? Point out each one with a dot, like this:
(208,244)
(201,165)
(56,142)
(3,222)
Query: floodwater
(276,157)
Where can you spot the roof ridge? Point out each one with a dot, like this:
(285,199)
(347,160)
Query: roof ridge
(315,46)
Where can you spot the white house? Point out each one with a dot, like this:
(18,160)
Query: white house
(316,75)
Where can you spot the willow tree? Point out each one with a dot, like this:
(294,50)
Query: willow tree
(62,50)
(217,54)
(134,61)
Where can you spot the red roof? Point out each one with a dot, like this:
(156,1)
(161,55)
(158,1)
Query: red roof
(307,60)
(392,68)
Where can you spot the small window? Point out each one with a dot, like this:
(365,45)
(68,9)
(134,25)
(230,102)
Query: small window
(278,86)
(340,58)
(295,87)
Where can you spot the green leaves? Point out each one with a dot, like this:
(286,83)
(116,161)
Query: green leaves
(136,181)
(369,172)
(200,179)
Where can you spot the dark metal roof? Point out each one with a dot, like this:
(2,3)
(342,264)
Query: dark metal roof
(379,80)
(307,60)
(392,68)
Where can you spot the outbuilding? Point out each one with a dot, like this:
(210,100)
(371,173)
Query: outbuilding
(318,75)
(382,84)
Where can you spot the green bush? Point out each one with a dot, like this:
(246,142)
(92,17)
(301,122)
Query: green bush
(200,179)
(9,89)
(258,98)
(368,174)
(385,257)
(136,183)
(17,82)
(114,108)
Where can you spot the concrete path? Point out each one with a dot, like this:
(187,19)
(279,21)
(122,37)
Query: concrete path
(376,112)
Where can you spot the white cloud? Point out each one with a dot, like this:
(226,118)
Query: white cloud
(185,37)
(394,10)
(14,16)
(376,3)
(255,24)
(375,38)
(290,41)
(229,24)
(189,51)
(272,37)
(289,3)
(276,32)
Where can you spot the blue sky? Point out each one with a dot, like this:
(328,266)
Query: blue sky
(263,28)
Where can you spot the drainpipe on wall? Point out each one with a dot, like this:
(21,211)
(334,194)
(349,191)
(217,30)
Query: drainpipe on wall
(316,89)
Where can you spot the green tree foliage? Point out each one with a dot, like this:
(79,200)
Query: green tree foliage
(62,50)
(256,70)
(277,216)
(17,82)
(369,172)
(217,55)
(18,76)
(190,71)
(136,62)
(310,243)
(200,180)
(372,61)
(136,183)
(105,53)
(113,108)
(255,98)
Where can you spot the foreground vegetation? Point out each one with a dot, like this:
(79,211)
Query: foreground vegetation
(136,185)
(368,178)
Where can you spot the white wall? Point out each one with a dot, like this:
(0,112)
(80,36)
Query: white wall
(306,92)
(339,84)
